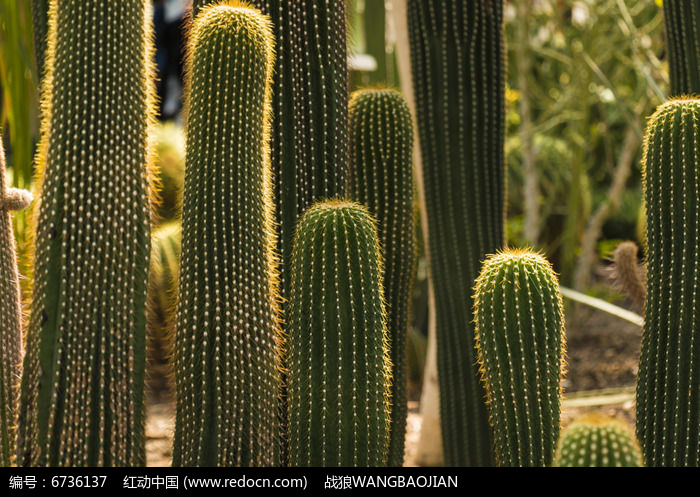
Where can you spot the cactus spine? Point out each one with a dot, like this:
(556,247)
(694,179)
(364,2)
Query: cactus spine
(10,317)
(338,351)
(82,400)
(683,35)
(458,72)
(595,441)
(520,342)
(381,178)
(226,361)
(668,386)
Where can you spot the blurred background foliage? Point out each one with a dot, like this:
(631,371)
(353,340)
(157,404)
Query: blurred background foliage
(582,78)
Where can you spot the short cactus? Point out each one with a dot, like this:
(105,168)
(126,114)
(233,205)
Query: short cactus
(381,178)
(595,441)
(82,399)
(226,362)
(10,317)
(668,385)
(520,342)
(683,40)
(338,344)
(457,58)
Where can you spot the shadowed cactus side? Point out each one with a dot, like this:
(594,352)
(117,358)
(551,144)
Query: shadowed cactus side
(381,178)
(226,362)
(458,64)
(520,342)
(162,290)
(682,19)
(668,385)
(595,441)
(82,400)
(40,22)
(11,199)
(338,350)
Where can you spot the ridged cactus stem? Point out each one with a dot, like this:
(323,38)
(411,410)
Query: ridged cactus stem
(381,178)
(520,342)
(40,22)
(668,386)
(683,40)
(338,344)
(10,317)
(82,401)
(457,59)
(226,358)
(309,139)
(596,441)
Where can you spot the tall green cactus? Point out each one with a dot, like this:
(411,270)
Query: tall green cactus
(520,342)
(82,400)
(10,317)
(338,345)
(226,362)
(459,77)
(309,139)
(683,40)
(668,386)
(381,178)
(595,441)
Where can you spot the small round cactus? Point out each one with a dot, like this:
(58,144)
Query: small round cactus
(520,343)
(596,441)
(339,371)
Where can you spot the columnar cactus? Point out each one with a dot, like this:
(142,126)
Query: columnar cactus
(10,317)
(683,39)
(226,362)
(459,77)
(309,139)
(595,441)
(338,345)
(520,342)
(82,400)
(381,178)
(668,386)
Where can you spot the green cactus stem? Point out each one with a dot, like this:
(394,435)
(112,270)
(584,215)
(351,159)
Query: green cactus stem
(338,345)
(10,317)
(596,441)
(457,59)
(668,385)
(683,40)
(381,178)
(226,358)
(520,342)
(309,139)
(82,401)
(162,290)
(40,21)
